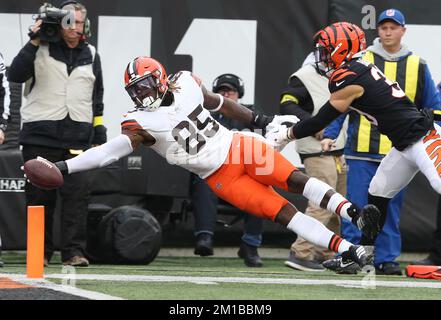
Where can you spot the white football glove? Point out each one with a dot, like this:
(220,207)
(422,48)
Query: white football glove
(287,120)
(277,137)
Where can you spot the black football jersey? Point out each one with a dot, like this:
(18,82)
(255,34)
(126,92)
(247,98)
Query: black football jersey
(383,103)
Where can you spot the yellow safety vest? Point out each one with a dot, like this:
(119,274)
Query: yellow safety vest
(409,75)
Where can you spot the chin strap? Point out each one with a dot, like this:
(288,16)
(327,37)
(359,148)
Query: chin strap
(157,103)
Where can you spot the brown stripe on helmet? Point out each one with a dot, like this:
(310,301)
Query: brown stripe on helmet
(127,70)
(134,72)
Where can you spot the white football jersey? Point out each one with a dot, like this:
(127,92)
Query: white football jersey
(185,133)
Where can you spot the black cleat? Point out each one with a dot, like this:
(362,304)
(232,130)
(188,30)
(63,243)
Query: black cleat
(368,221)
(351,261)
(362,255)
(341,265)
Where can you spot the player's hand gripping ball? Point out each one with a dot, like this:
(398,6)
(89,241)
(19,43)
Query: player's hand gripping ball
(43,174)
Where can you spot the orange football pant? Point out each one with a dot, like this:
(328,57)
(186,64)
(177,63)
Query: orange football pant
(246,178)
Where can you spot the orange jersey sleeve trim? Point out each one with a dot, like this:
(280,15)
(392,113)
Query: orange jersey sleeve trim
(341,74)
(130,125)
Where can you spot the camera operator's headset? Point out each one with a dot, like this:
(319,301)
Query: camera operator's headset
(86,30)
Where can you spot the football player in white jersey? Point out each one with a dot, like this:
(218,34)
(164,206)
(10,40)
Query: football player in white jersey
(172,116)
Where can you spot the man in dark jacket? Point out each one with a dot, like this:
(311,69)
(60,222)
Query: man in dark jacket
(62,117)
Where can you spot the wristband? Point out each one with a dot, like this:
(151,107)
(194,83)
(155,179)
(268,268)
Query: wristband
(33,35)
(62,166)
(261,120)
(221,102)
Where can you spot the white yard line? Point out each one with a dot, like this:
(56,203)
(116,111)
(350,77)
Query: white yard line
(362,283)
(43,283)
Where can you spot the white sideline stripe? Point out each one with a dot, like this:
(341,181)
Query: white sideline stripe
(351,283)
(43,283)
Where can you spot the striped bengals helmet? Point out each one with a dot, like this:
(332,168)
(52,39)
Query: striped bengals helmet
(361,37)
(337,44)
(146,82)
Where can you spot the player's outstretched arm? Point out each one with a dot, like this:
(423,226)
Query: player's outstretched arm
(47,175)
(339,103)
(109,152)
(98,157)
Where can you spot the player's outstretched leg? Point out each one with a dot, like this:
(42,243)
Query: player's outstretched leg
(315,232)
(321,194)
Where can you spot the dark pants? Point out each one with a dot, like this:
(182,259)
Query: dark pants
(205,213)
(74,198)
(435,251)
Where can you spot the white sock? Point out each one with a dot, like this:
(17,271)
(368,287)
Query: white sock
(339,205)
(343,246)
(315,190)
(316,233)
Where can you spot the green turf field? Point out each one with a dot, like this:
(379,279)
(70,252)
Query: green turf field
(195,278)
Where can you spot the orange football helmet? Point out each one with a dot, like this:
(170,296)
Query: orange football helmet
(337,44)
(361,37)
(146,82)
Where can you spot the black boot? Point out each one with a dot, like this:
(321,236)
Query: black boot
(389,268)
(204,245)
(250,255)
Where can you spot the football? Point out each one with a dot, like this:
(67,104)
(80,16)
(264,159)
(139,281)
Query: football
(43,174)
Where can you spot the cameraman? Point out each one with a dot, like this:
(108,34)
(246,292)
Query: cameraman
(61,118)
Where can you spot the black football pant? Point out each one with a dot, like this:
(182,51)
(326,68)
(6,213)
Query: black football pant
(74,196)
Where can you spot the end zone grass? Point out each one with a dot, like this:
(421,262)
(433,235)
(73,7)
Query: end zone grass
(196,278)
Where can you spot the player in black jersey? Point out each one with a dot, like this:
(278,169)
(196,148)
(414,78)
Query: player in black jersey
(382,102)
(360,86)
